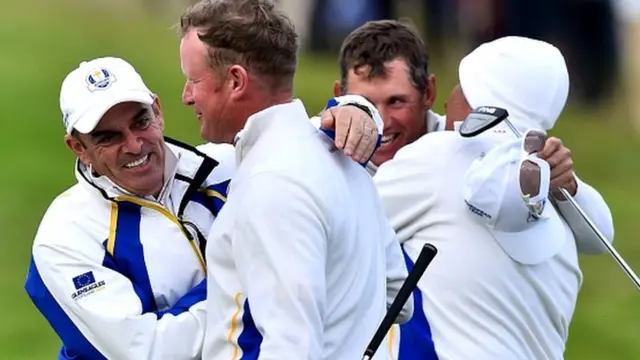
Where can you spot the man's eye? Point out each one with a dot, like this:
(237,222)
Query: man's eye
(143,123)
(105,139)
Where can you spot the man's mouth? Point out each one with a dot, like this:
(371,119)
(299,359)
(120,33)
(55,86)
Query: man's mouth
(138,163)
(387,139)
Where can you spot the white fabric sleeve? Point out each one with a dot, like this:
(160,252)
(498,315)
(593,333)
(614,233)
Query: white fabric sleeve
(281,264)
(396,275)
(597,210)
(108,316)
(435,122)
(224,154)
(316,121)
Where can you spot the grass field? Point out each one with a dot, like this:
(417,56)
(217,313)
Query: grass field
(40,47)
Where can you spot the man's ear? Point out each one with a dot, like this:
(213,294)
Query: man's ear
(157,103)
(238,80)
(337,89)
(78,148)
(430,92)
(157,111)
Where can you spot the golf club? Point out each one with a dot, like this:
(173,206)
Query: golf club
(484,118)
(427,254)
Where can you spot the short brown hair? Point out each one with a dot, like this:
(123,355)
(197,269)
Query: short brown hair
(376,43)
(251,33)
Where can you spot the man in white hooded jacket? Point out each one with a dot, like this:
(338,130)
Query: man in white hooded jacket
(387,62)
(506,289)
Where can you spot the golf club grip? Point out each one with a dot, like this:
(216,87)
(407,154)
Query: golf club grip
(427,254)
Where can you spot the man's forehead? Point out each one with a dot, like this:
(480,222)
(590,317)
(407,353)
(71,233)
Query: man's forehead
(395,81)
(397,66)
(193,53)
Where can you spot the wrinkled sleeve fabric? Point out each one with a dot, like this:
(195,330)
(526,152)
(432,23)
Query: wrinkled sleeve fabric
(281,264)
(396,275)
(97,312)
(594,206)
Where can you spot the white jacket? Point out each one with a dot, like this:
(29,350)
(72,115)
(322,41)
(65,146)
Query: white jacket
(299,254)
(121,277)
(474,301)
(589,199)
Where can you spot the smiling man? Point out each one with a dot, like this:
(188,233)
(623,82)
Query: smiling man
(303,238)
(387,62)
(118,268)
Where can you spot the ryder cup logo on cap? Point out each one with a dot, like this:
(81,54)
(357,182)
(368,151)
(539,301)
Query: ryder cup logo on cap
(535,210)
(100,79)
(94,87)
(499,195)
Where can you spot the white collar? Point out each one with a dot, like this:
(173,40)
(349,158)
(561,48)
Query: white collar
(262,121)
(435,121)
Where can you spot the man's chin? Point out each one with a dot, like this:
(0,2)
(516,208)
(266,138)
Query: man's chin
(148,185)
(206,135)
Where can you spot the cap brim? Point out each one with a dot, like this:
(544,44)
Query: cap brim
(90,119)
(537,244)
(492,188)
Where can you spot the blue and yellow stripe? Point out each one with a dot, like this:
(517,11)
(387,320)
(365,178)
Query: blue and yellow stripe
(247,344)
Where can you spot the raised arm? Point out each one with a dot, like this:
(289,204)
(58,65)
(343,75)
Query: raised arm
(562,175)
(598,212)
(354,124)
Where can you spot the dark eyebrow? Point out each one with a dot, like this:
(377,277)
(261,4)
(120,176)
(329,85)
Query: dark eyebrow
(101,133)
(402,97)
(141,113)
(136,117)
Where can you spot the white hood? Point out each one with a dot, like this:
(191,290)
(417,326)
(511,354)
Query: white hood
(528,78)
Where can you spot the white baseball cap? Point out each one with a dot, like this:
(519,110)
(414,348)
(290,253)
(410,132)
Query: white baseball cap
(96,86)
(526,226)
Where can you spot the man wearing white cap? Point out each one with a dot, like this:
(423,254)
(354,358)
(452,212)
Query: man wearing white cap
(399,84)
(118,268)
(506,279)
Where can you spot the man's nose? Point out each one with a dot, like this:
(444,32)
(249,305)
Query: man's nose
(132,143)
(384,114)
(187,94)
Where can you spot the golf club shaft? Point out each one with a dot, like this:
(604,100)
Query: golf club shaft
(427,254)
(614,254)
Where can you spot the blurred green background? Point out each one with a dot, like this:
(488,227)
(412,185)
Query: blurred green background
(43,40)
